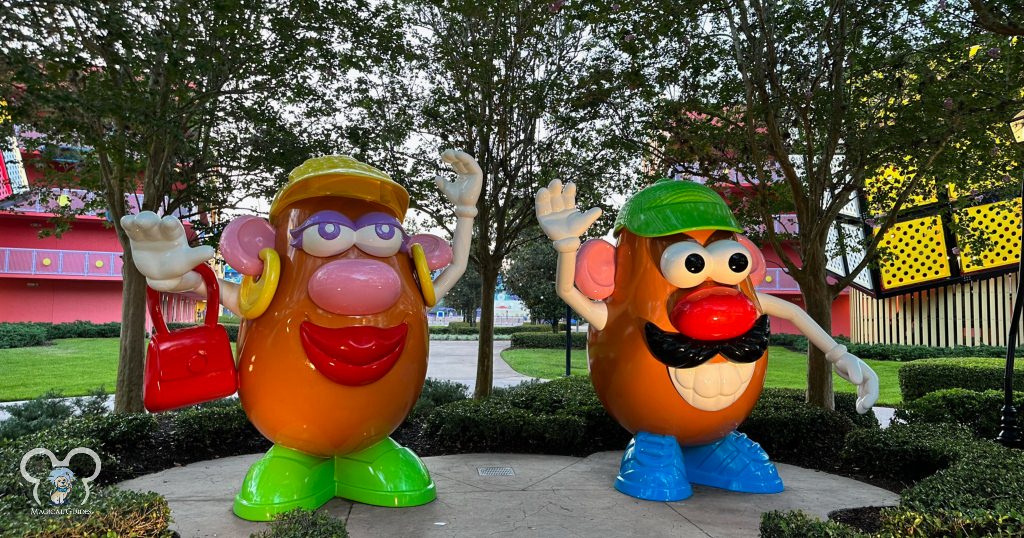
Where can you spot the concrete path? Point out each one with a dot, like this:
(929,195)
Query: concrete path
(455,360)
(557,496)
(449,359)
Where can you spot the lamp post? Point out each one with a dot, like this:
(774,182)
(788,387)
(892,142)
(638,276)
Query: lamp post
(1009,433)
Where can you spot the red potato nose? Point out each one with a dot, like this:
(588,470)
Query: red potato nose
(722,314)
(355,287)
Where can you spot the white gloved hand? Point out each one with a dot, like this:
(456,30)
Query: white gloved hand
(857,372)
(161,252)
(559,218)
(464,191)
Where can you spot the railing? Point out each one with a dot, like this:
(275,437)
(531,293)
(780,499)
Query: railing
(46,262)
(777,280)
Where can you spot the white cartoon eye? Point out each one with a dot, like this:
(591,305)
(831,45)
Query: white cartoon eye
(381,240)
(686,264)
(731,261)
(327,239)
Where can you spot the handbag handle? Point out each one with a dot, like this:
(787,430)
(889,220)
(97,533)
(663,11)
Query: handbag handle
(212,297)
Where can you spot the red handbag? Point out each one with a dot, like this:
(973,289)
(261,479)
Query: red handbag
(192,365)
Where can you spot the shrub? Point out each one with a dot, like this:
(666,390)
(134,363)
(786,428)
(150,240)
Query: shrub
(548,340)
(970,522)
(83,329)
(978,411)
(894,352)
(921,377)
(436,392)
(21,335)
(526,328)
(562,416)
(124,442)
(301,523)
(217,430)
(573,396)
(904,453)
(985,476)
(495,426)
(35,415)
(846,404)
(114,513)
(793,432)
(797,524)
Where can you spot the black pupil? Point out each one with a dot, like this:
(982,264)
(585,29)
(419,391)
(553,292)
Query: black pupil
(738,262)
(694,263)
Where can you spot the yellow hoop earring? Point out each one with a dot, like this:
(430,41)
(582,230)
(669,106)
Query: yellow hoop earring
(255,295)
(419,259)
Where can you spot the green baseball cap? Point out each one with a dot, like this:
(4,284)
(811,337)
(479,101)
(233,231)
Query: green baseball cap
(675,206)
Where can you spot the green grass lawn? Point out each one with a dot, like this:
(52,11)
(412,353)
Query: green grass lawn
(73,366)
(786,369)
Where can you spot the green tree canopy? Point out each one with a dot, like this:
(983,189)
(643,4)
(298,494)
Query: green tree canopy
(195,104)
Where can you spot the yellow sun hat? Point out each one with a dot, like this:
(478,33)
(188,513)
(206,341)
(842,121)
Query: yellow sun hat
(344,177)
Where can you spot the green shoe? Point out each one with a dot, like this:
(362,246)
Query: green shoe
(386,474)
(282,480)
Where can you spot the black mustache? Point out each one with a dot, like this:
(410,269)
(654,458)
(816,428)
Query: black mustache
(679,351)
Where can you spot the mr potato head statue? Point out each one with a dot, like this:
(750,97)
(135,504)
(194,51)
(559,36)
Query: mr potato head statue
(678,339)
(332,352)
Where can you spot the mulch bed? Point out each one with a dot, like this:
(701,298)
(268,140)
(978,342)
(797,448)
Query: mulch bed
(867,519)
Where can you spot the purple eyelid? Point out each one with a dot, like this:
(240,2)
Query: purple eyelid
(320,219)
(379,220)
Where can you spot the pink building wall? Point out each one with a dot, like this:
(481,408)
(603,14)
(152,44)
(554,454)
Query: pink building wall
(840,306)
(58,301)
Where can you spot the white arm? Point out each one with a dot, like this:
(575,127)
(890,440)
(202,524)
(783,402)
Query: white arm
(463,192)
(564,224)
(595,312)
(847,365)
(162,254)
(461,240)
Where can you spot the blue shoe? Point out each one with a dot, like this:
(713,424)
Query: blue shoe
(734,463)
(652,469)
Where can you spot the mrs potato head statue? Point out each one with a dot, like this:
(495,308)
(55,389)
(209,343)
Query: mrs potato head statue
(678,339)
(332,353)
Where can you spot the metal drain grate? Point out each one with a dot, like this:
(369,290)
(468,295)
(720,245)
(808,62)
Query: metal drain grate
(495,471)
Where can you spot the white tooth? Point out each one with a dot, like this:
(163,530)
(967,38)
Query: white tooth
(709,380)
(730,378)
(746,371)
(712,387)
(685,377)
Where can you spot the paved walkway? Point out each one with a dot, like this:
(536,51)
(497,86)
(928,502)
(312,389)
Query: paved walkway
(557,496)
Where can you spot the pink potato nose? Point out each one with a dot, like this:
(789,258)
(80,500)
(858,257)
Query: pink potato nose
(355,287)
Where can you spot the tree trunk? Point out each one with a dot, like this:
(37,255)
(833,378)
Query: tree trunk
(485,352)
(132,358)
(818,302)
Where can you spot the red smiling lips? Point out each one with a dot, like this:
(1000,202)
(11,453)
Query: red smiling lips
(353,355)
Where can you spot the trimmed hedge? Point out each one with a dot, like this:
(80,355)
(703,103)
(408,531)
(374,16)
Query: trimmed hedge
(21,335)
(548,340)
(797,524)
(904,453)
(562,416)
(846,404)
(892,352)
(436,392)
(115,512)
(979,374)
(217,430)
(791,431)
(978,411)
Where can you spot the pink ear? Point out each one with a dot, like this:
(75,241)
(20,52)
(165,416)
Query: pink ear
(438,251)
(759,267)
(242,241)
(595,269)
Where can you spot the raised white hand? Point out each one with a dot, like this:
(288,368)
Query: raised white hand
(857,372)
(161,252)
(558,216)
(464,191)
